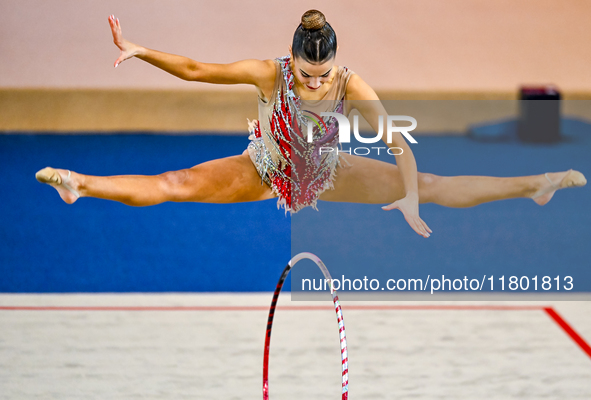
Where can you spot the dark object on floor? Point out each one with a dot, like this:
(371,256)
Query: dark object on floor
(539,119)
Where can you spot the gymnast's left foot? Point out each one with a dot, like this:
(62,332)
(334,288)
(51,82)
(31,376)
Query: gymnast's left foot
(62,180)
(553,181)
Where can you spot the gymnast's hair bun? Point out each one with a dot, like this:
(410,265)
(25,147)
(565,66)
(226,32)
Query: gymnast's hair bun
(313,20)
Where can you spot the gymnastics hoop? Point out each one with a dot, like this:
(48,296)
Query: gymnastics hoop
(337,307)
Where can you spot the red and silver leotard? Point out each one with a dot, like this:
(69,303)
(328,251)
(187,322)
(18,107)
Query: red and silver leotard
(296,170)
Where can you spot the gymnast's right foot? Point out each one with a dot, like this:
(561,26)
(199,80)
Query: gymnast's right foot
(555,181)
(62,180)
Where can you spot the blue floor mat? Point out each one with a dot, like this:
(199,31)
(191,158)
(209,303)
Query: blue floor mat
(103,246)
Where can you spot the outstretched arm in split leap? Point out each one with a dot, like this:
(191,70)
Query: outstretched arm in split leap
(226,180)
(400,186)
(235,179)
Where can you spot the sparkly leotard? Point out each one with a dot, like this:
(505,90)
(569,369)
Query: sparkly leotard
(297,171)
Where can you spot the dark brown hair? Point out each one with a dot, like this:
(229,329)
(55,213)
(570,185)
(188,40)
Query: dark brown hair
(314,40)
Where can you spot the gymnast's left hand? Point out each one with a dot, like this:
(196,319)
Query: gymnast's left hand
(409,206)
(127,49)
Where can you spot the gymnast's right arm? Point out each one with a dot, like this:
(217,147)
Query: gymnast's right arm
(255,72)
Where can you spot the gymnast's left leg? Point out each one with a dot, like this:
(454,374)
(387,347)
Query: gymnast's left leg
(376,182)
(226,180)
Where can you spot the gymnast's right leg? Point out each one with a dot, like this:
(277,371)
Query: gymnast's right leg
(226,180)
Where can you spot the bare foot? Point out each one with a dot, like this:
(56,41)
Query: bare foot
(62,180)
(553,181)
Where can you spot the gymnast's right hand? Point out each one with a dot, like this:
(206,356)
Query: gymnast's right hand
(127,48)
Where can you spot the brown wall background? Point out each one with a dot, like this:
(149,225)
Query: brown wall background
(410,49)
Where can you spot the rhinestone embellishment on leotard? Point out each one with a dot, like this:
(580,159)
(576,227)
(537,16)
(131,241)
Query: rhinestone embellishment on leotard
(298,173)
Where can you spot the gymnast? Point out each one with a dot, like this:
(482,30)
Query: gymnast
(280,163)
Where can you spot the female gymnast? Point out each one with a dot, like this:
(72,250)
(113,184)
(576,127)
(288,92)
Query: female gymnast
(279,162)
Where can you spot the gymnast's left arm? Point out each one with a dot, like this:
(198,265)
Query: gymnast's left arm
(363,98)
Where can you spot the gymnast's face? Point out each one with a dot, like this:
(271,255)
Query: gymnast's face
(312,76)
